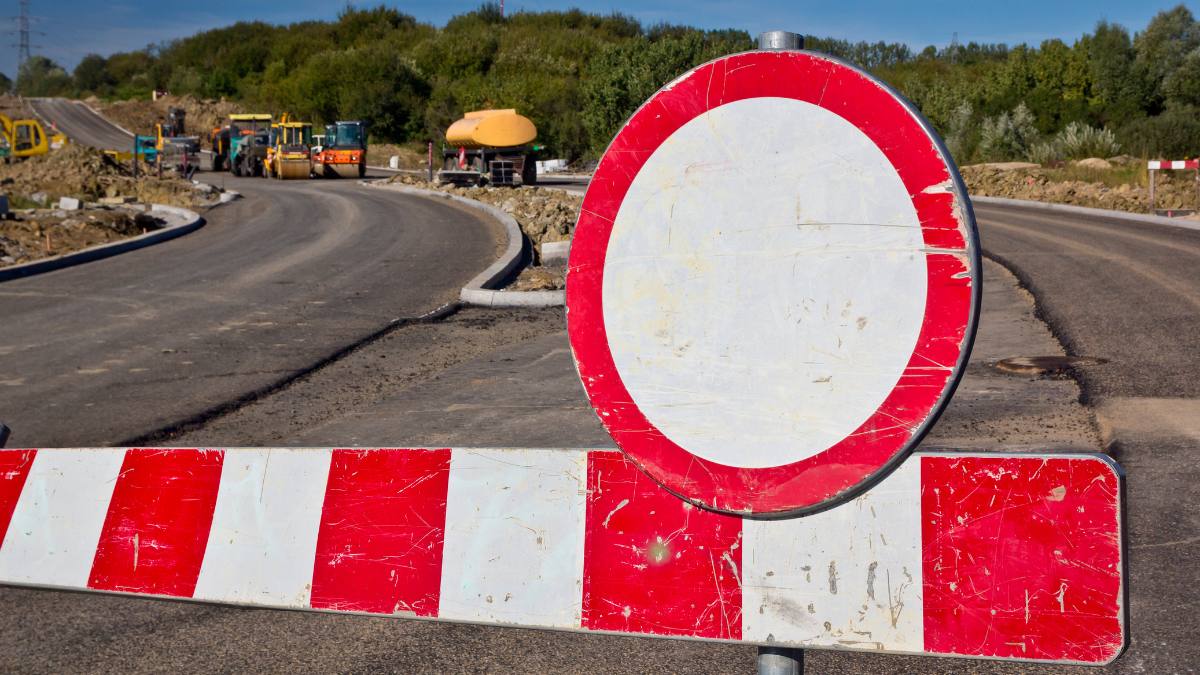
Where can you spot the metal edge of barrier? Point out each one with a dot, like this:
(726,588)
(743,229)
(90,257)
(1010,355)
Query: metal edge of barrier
(479,290)
(1088,211)
(192,223)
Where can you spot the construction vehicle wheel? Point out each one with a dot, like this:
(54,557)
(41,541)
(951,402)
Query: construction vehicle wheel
(362,170)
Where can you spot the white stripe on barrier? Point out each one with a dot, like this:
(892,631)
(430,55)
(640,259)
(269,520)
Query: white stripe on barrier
(1160,165)
(56,524)
(264,529)
(860,588)
(513,551)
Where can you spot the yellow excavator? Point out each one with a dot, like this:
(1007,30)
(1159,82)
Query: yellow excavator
(27,138)
(289,152)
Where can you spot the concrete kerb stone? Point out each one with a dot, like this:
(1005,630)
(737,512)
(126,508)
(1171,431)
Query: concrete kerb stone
(481,290)
(185,221)
(1089,211)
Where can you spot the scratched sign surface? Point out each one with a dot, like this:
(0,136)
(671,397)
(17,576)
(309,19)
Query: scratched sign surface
(972,555)
(773,283)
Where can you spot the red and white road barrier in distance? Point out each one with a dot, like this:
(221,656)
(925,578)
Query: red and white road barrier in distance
(981,555)
(1159,165)
(773,283)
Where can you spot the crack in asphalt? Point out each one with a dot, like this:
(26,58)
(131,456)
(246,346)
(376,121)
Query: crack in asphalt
(200,420)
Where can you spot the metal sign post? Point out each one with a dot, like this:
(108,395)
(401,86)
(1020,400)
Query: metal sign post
(780,660)
(771,294)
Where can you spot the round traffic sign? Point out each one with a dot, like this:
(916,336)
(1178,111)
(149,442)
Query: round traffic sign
(773,283)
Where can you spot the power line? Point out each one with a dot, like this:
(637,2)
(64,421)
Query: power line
(23,21)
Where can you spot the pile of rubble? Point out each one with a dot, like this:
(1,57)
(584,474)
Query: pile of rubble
(1176,190)
(87,174)
(33,234)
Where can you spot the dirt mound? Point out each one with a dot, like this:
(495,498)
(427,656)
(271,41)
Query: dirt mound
(140,116)
(15,107)
(543,214)
(88,174)
(1173,190)
(33,235)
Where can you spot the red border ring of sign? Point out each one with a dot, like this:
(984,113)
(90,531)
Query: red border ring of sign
(927,171)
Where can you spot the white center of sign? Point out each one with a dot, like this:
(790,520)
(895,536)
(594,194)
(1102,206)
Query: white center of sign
(768,275)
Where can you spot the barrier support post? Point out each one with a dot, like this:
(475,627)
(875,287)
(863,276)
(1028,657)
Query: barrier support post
(780,661)
(1152,172)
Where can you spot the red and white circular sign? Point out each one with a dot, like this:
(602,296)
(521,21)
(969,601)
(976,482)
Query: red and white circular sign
(773,283)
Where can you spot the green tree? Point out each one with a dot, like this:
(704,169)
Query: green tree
(1163,46)
(92,76)
(40,76)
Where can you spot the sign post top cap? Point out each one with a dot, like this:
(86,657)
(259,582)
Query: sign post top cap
(773,283)
(780,39)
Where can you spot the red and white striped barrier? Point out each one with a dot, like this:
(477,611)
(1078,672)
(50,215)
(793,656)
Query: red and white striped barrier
(1156,165)
(982,555)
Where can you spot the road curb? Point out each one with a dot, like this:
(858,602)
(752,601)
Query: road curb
(190,222)
(1088,211)
(480,290)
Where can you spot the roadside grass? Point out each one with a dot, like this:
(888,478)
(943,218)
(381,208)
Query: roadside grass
(1118,175)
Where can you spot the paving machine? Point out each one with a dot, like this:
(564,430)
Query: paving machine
(493,147)
(249,135)
(289,151)
(174,148)
(27,138)
(343,151)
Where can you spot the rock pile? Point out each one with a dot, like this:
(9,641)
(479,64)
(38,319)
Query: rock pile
(1176,190)
(85,173)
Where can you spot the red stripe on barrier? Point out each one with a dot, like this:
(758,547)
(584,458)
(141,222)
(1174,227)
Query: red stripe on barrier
(158,522)
(14,469)
(379,548)
(1021,557)
(654,563)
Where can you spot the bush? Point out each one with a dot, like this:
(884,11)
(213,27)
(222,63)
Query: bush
(1080,141)
(1045,153)
(962,134)
(1008,136)
(1175,134)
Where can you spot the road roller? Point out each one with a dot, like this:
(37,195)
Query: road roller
(343,151)
(289,152)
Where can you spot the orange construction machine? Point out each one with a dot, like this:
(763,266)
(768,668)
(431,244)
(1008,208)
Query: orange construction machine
(343,151)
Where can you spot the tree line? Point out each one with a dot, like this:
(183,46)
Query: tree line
(580,75)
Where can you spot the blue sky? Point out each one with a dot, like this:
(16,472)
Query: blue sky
(74,28)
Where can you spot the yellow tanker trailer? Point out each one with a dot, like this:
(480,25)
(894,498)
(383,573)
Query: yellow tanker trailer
(490,146)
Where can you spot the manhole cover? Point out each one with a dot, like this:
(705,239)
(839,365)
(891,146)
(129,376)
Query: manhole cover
(1044,365)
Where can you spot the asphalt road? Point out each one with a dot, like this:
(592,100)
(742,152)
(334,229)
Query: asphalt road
(80,124)
(107,351)
(1129,294)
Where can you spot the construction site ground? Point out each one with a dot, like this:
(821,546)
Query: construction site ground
(34,186)
(34,234)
